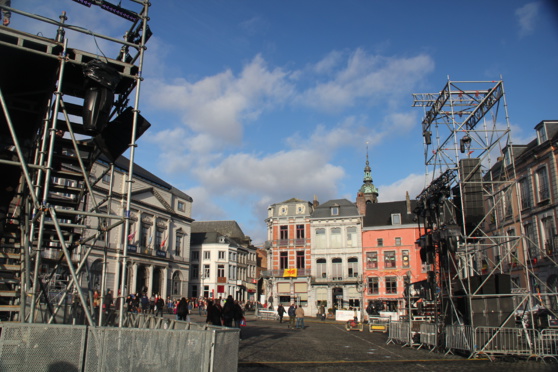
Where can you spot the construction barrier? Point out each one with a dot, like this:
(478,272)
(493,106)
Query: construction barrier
(378,324)
(45,347)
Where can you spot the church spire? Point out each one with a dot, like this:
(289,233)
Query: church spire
(368,193)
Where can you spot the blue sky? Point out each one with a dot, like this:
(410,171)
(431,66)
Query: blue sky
(254,102)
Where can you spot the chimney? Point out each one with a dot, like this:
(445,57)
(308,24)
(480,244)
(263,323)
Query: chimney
(408,200)
(316,202)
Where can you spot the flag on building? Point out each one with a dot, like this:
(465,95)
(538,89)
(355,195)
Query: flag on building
(290,273)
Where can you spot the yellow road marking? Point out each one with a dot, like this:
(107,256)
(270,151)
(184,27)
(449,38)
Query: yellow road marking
(365,361)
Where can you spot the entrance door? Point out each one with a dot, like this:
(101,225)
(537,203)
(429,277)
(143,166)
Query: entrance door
(338,297)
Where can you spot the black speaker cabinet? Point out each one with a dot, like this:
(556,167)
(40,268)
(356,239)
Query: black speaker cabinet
(492,312)
(116,136)
(471,195)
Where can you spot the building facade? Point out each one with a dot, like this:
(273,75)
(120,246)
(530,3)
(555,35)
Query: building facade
(336,255)
(223,262)
(289,252)
(390,254)
(524,208)
(159,241)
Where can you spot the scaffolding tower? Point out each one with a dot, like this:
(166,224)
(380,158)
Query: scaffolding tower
(469,159)
(63,109)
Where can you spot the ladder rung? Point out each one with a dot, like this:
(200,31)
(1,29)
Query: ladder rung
(10,267)
(5,293)
(13,256)
(11,308)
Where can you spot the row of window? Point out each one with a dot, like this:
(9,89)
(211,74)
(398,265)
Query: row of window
(542,193)
(390,259)
(222,255)
(390,285)
(234,272)
(337,268)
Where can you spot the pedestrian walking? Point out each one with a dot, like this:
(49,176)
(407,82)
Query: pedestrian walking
(292,315)
(159,306)
(299,312)
(228,312)
(281,311)
(182,309)
(213,313)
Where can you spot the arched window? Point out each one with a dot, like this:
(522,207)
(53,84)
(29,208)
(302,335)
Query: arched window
(176,283)
(96,274)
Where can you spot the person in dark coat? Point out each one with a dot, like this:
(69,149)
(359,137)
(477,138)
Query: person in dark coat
(213,314)
(281,312)
(159,305)
(182,309)
(238,314)
(228,312)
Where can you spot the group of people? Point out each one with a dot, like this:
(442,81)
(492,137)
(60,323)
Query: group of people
(295,313)
(227,314)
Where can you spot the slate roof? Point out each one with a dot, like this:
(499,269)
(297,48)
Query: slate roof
(122,164)
(226,228)
(346,209)
(379,214)
(200,238)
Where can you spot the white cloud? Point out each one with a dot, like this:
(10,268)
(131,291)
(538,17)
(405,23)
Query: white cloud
(221,105)
(366,78)
(283,173)
(526,16)
(413,183)
(205,206)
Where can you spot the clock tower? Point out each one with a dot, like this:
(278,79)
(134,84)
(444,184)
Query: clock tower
(368,193)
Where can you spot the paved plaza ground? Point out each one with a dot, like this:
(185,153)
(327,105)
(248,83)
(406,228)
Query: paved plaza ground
(268,346)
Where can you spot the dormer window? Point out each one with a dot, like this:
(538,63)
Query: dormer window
(541,134)
(507,157)
(335,211)
(396,219)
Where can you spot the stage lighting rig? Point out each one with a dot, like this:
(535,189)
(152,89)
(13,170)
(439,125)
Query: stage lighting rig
(112,8)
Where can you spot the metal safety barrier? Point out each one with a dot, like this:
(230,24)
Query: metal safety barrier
(459,337)
(428,336)
(546,345)
(267,315)
(42,347)
(492,341)
(399,333)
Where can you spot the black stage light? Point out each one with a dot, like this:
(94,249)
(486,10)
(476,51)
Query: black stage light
(99,94)
(112,8)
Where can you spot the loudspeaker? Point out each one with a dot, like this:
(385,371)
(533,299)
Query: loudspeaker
(473,209)
(503,283)
(116,136)
(492,312)
(489,286)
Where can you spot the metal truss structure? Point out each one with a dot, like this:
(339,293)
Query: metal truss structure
(63,109)
(469,161)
